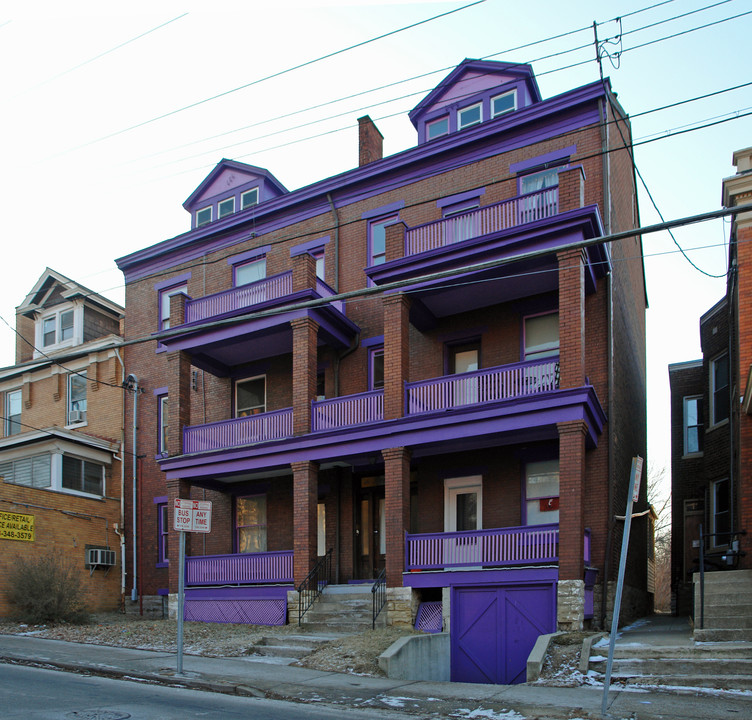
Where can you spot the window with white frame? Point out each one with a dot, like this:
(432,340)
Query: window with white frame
(164,304)
(13,403)
(249,198)
(719,389)
(251,271)
(57,328)
(163,423)
(34,471)
(250,396)
(226,207)
(469,116)
(82,475)
(250,523)
(319,257)
(541,336)
(377,239)
(437,128)
(463,503)
(720,515)
(693,425)
(76,398)
(203,216)
(163,527)
(504,103)
(542,492)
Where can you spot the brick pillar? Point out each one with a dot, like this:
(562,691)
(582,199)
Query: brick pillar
(396,354)
(305,497)
(744,344)
(175,489)
(303,272)
(304,367)
(571,318)
(571,188)
(177,309)
(370,141)
(397,509)
(571,484)
(179,399)
(394,241)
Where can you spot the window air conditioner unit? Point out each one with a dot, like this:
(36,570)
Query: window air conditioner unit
(75,416)
(105,558)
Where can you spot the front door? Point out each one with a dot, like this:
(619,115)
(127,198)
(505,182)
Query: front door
(370,528)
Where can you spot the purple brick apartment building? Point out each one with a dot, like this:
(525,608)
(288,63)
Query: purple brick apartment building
(418,373)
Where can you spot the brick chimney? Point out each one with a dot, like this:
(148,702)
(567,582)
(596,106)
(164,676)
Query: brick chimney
(370,142)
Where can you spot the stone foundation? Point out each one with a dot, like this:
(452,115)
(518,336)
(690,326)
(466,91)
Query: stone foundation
(570,604)
(401,607)
(446,594)
(151,606)
(634,605)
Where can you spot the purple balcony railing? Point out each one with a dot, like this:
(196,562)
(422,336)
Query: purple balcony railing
(347,411)
(238,431)
(504,546)
(266,567)
(483,221)
(497,383)
(240,297)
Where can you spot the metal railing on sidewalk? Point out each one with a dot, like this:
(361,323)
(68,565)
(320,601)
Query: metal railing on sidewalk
(378,596)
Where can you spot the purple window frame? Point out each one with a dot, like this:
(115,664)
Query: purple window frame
(385,221)
(546,457)
(163,528)
(161,394)
(171,290)
(450,348)
(374,352)
(235,535)
(523,335)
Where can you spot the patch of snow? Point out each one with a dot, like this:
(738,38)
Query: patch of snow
(395,702)
(598,658)
(488,714)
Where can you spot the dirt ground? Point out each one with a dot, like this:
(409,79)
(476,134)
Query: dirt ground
(355,654)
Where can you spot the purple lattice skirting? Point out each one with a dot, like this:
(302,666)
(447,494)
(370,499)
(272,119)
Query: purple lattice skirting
(252,606)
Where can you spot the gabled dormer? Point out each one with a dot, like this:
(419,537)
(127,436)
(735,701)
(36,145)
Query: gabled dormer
(230,188)
(475,92)
(59,314)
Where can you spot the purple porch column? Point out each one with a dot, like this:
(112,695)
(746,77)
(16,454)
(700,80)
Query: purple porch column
(397,509)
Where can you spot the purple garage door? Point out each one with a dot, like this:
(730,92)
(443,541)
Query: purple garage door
(494,629)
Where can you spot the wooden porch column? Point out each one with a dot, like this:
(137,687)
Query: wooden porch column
(571,514)
(396,354)
(179,400)
(305,497)
(571,318)
(175,489)
(304,367)
(397,510)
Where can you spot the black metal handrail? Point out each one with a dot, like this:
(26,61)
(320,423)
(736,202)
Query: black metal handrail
(314,584)
(378,595)
(729,554)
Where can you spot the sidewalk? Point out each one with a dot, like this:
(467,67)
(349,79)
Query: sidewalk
(251,677)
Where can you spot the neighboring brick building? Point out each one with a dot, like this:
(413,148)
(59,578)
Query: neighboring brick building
(314,375)
(60,471)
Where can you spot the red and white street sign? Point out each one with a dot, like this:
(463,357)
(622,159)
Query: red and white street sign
(193,515)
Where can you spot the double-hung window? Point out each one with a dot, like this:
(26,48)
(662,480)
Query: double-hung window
(13,404)
(163,527)
(693,425)
(249,198)
(251,271)
(720,515)
(377,240)
(57,328)
(376,368)
(250,524)
(542,492)
(226,207)
(163,423)
(469,116)
(76,410)
(250,396)
(504,103)
(83,475)
(203,216)
(164,304)
(719,389)
(541,336)
(437,128)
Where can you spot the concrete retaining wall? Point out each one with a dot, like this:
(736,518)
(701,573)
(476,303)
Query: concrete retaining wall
(418,657)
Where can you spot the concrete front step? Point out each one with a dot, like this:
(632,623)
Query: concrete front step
(726,682)
(722,635)
(729,609)
(737,622)
(695,667)
(342,627)
(289,648)
(709,651)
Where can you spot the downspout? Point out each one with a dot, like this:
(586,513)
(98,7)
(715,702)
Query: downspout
(119,529)
(734,389)
(336,241)
(132,384)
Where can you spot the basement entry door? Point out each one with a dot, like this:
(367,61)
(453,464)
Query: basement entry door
(494,628)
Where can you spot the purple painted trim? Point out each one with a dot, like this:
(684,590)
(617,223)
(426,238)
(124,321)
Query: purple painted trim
(163,591)
(347,411)
(458,578)
(459,335)
(241,568)
(460,197)
(248,255)
(371,341)
(238,432)
(390,209)
(555,156)
(528,418)
(173,281)
(309,246)
(160,390)
(160,500)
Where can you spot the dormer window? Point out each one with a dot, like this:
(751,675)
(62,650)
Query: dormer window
(226,207)
(437,128)
(469,116)
(504,103)
(56,329)
(203,216)
(248,198)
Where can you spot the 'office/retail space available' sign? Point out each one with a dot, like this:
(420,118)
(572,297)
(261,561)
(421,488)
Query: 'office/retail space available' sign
(16,526)
(193,515)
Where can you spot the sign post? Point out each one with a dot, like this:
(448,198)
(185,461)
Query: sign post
(634,493)
(190,516)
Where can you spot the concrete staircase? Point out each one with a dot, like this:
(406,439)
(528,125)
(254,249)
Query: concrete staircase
(286,649)
(728,607)
(344,609)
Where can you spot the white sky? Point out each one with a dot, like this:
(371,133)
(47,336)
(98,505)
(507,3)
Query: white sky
(74,201)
